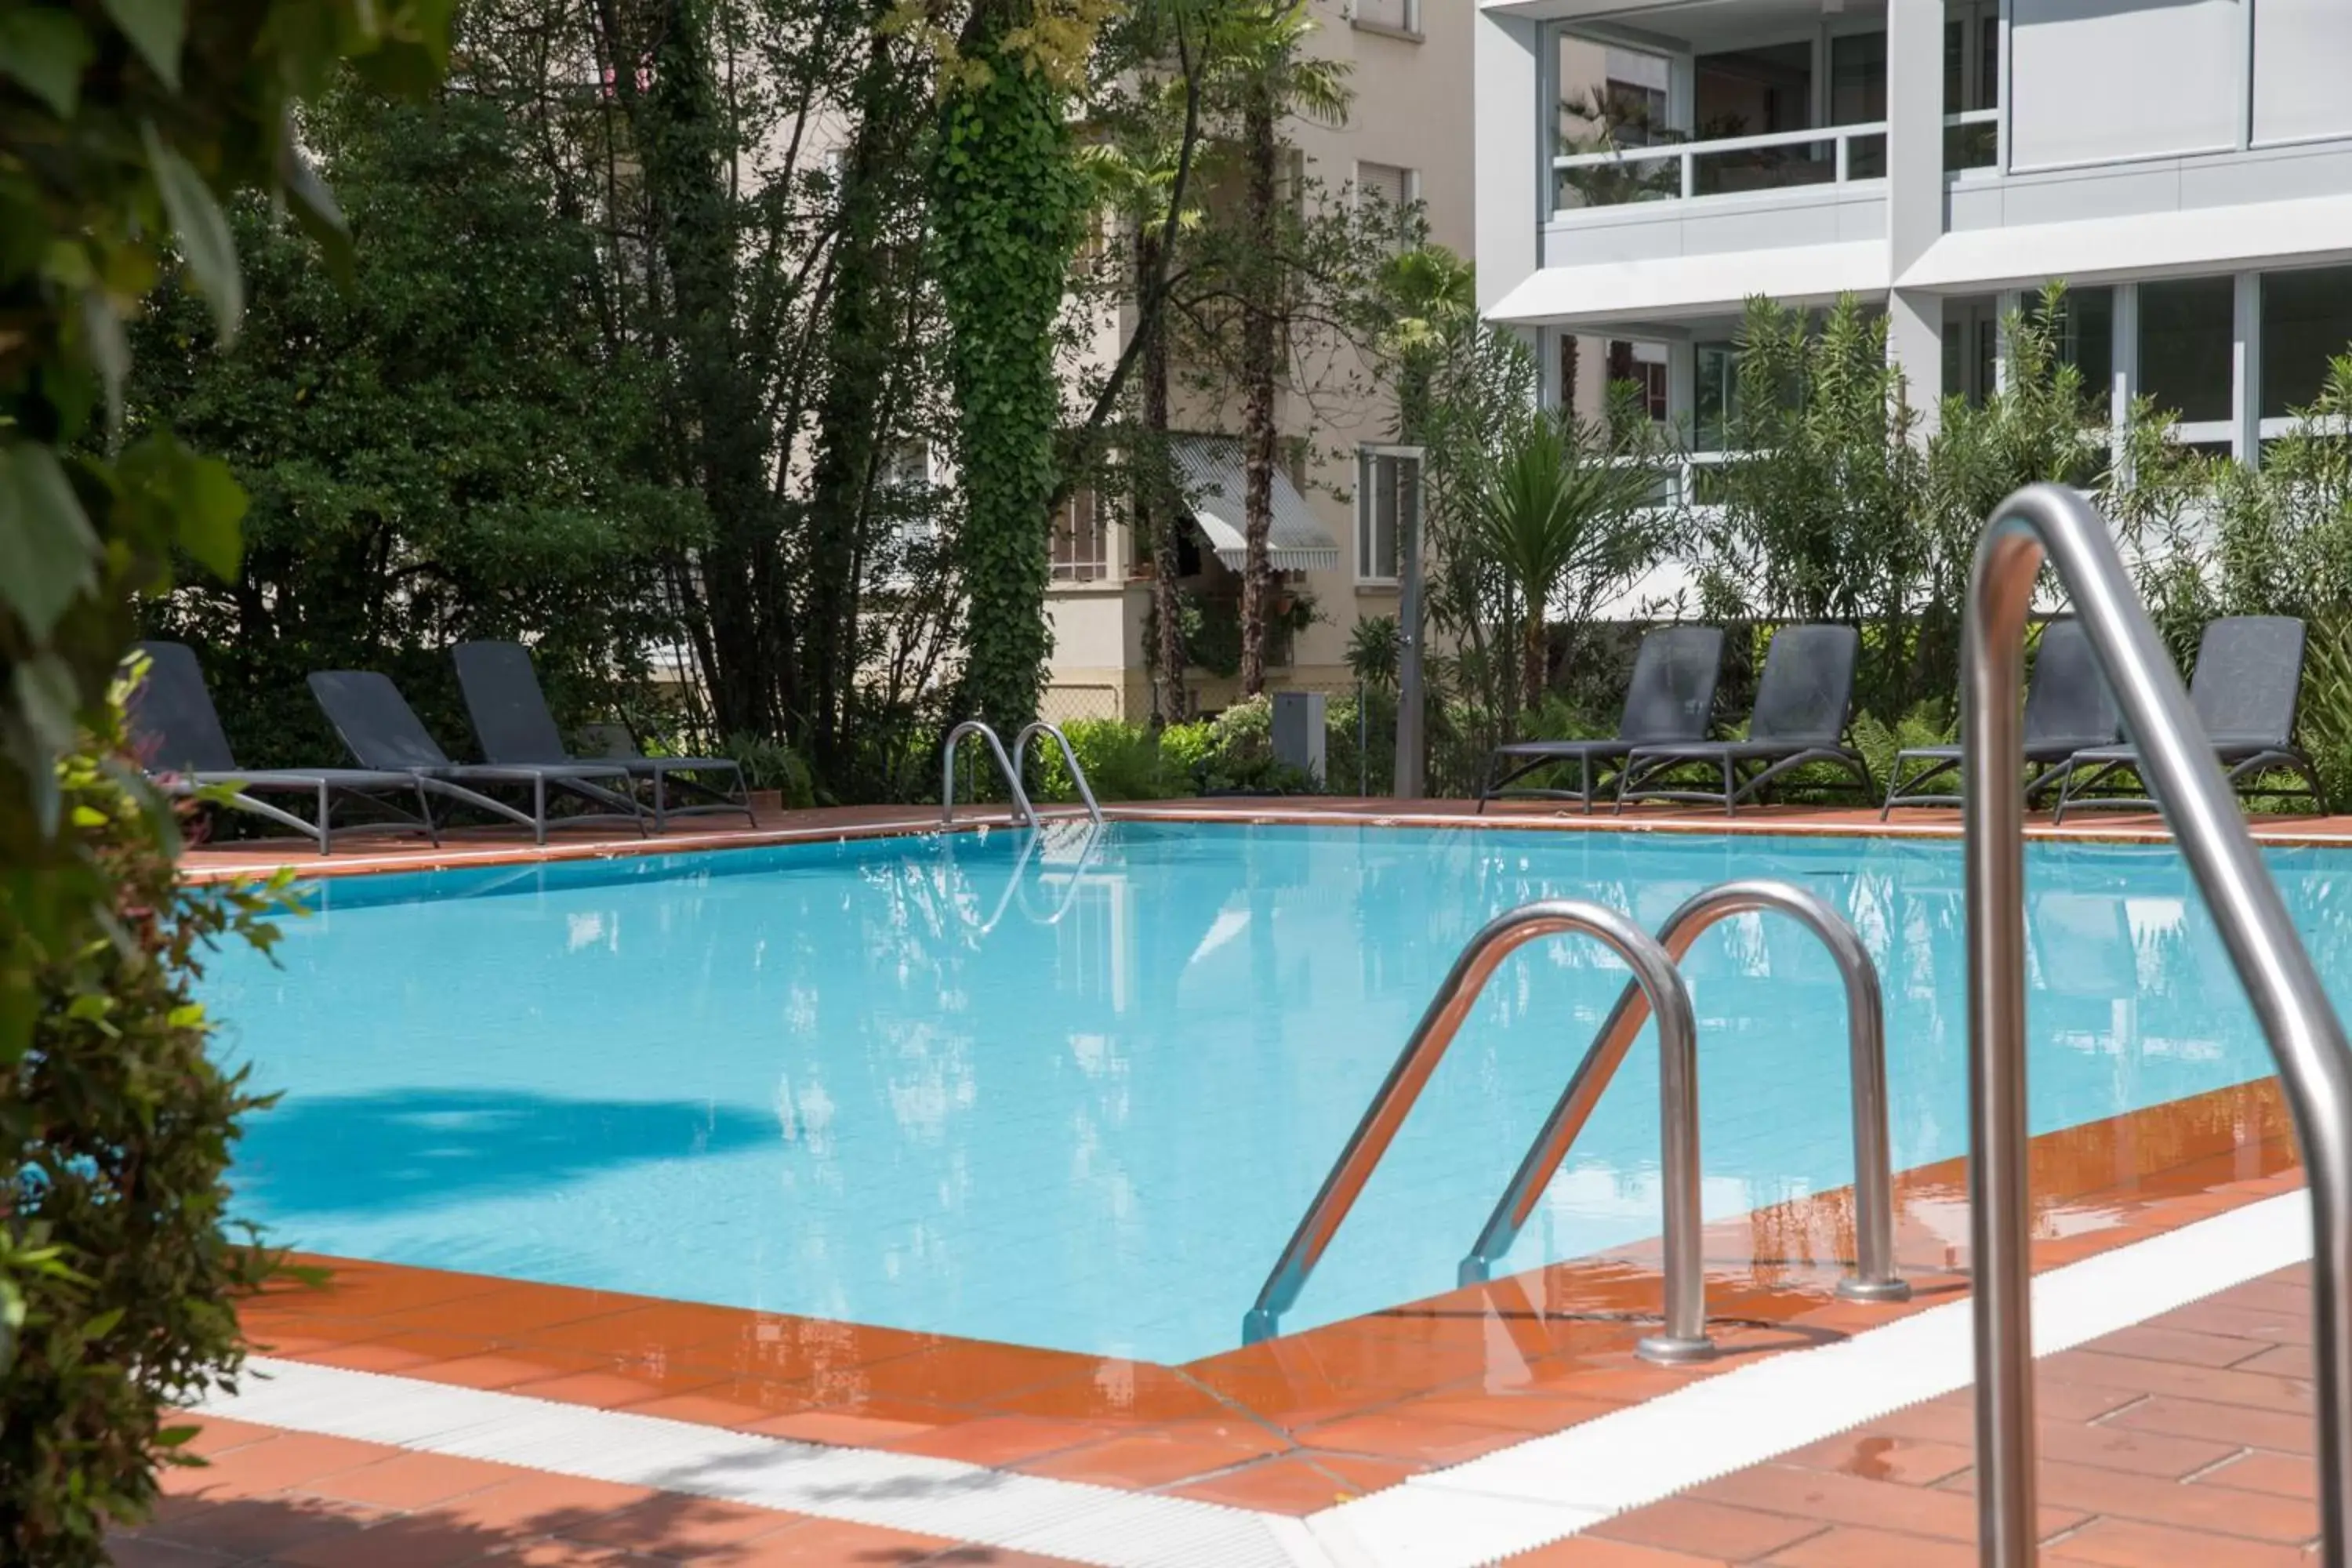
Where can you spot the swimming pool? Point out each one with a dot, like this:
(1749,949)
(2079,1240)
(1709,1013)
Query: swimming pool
(1074,1091)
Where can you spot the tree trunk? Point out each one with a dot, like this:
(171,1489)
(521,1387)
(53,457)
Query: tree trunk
(1258,367)
(865,334)
(1534,656)
(1160,509)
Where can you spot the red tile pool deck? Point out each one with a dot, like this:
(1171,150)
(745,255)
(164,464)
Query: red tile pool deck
(2155,1438)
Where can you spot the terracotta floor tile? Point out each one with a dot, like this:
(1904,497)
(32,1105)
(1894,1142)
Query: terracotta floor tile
(412,1541)
(357,1289)
(841,1429)
(1116,1390)
(1403,1437)
(216,1435)
(827,1543)
(129,1551)
(2228,1317)
(1598,1552)
(2156,1500)
(1707,1529)
(610,1391)
(669,1525)
(2114,1448)
(2283,1431)
(2218,1386)
(2281,1475)
(1846,1499)
(404,1481)
(1847,1547)
(538,1504)
(1880,1457)
(288,1459)
(967,1373)
(1298,1483)
(1519,1412)
(2280,1361)
(2126,1544)
(2187,1346)
(1000,1439)
(499,1370)
(512,1309)
(252,1527)
(1143,1460)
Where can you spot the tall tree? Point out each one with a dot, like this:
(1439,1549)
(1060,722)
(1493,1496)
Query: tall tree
(1008,195)
(1275,79)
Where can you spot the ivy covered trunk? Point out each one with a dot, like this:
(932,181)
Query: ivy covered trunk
(1006,222)
(1158,504)
(1258,367)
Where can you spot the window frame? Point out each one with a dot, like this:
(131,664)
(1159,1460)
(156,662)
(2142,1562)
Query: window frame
(1368,457)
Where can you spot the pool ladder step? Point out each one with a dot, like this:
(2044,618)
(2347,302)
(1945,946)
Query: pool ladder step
(1008,766)
(1657,990)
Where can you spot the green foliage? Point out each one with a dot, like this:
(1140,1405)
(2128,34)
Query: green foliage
(440,450)
(1931,724)
(1006,207)
(120,129)
(1568,514)
(118,1273)
(1374,653)
(123,129)
(1123,762)
(770,765)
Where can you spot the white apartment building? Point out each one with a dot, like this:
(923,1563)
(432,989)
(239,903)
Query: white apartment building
(2185,166)
(1408,137)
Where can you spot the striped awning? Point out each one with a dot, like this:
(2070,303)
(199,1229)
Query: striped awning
(1215,487)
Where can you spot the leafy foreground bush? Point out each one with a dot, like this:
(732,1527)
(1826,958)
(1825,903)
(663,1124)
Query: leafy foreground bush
(119,1272)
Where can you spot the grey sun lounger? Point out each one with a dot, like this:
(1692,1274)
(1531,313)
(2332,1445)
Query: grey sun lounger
(512,722)
(1802,704)
(382,731)
(2248,677)
(1668,699)
(2068,710)
(176,733)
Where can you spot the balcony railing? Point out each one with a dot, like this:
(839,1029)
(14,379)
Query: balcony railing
(1735,165)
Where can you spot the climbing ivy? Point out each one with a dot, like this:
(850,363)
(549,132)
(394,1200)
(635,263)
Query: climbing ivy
(1009,197)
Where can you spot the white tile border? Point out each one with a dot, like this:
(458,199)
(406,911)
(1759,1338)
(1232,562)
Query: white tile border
(1508,1502)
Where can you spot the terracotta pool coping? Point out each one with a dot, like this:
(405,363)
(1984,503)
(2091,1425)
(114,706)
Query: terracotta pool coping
(1293,1424)
(482,848)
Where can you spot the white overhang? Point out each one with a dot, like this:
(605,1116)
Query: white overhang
(1215,484)
(2241,236)
(1665,288)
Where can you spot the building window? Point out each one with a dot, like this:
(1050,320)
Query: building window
(1387,508)
(2187,338)
(1081,540)
(1641,367)
(1715,396)
(2306,321)
(1384,194)
(2086,339)
(1404,15)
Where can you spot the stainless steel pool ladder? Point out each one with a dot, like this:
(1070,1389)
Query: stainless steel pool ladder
(2305,1038)
(1009,767)
(1657,989)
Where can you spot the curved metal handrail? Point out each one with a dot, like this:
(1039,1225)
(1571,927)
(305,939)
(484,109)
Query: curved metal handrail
(1022,809)
(1873,1278)
(1069,760)
(1685,1338)
(2305,1035)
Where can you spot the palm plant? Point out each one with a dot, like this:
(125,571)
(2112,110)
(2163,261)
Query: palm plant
(1566,515)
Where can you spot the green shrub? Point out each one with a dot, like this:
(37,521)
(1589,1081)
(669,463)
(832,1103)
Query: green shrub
(1186,748)
(1927,724)
(1123,762)
(772,764)
(118,1267)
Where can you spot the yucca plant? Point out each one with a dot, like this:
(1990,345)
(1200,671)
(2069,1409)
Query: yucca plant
(1567,514)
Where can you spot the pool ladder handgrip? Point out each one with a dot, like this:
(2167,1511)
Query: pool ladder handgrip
(2305,1038)
(1009,768)
(1657,988)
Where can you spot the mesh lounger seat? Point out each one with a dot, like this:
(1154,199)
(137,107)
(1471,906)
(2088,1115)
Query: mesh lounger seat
(512,722)
(2249,674)
(176,733)
(382,731)
(2068,710)
(1801,706)
(1668,699)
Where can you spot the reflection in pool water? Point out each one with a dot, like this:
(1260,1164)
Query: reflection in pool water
(1076,1092)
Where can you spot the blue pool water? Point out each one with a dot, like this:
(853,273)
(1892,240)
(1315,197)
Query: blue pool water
(1079,1101)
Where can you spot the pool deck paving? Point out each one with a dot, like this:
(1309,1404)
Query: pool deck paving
(2183,1440)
